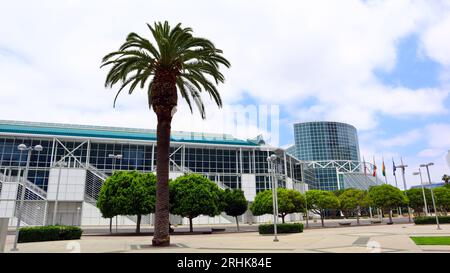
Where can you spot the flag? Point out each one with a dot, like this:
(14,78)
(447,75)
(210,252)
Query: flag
(374,168)
(393,167)
(383,169)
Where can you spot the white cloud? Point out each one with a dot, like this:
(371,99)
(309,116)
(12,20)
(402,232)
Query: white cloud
(427,153)
(439,135)
(404,139)
(437,41)
(280,54)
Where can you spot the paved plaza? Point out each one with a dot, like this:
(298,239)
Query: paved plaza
(360,239)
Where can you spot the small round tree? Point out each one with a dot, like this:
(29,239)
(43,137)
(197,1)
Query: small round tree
(105,200)
(192,195)
(140,196)
(352,200)
(415,198)
(319,201)
(387,197)
(235,203)
(442,195)
(289,201)
(128,193)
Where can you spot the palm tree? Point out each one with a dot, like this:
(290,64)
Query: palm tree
(178,61)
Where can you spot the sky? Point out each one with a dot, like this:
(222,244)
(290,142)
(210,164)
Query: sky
(382,66)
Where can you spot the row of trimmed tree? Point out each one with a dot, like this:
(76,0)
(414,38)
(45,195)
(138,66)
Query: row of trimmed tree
(350,201)
(191,195)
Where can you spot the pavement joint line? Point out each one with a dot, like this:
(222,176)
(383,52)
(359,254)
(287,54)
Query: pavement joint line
(372,234)
(318,250)
(329,249)
(234,248)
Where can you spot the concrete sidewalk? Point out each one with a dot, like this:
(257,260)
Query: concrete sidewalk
(363,239)
(218,228)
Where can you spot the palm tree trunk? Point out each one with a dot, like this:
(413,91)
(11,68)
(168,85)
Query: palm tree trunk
(163,98)
(161,235)
(237,223)
(138,223)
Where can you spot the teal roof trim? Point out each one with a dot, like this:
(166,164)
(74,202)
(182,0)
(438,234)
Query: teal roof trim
(116,133)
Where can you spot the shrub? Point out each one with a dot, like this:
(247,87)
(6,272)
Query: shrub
(49,233)
(281,228)
(429,220)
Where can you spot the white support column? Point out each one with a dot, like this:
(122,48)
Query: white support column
(292,169)
(53,152)
(254,162)
(153,156)
(183,156)
(285,164)
(88,152)
(240,159)
(337,176)
(237,162)
(45,213)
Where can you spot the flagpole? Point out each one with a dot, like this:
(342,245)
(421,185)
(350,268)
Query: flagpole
(394,169)
(395,177)
(404,185)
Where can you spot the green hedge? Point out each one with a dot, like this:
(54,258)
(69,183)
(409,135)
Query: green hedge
(49,233)
(281,228)
(429,220)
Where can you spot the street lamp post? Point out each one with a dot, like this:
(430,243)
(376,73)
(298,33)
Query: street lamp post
(55,209)
(271,159)
(423,190)
(23,147)
(432,194)
(78,216)
(115,157)
(403,167)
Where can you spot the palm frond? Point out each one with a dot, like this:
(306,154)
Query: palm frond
(194,61)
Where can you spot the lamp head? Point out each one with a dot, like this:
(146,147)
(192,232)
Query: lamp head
(38,148)
(22,147)
(416,173)
(273,157)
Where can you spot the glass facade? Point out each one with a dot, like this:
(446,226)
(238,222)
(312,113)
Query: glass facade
(219,162)
(326,141)
(322,141)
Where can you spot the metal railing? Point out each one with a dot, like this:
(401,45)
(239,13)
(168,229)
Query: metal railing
(30,186)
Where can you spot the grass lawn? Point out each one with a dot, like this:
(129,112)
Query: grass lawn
(434,240)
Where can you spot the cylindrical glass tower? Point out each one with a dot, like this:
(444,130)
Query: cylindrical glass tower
(323,141)
(326,141)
